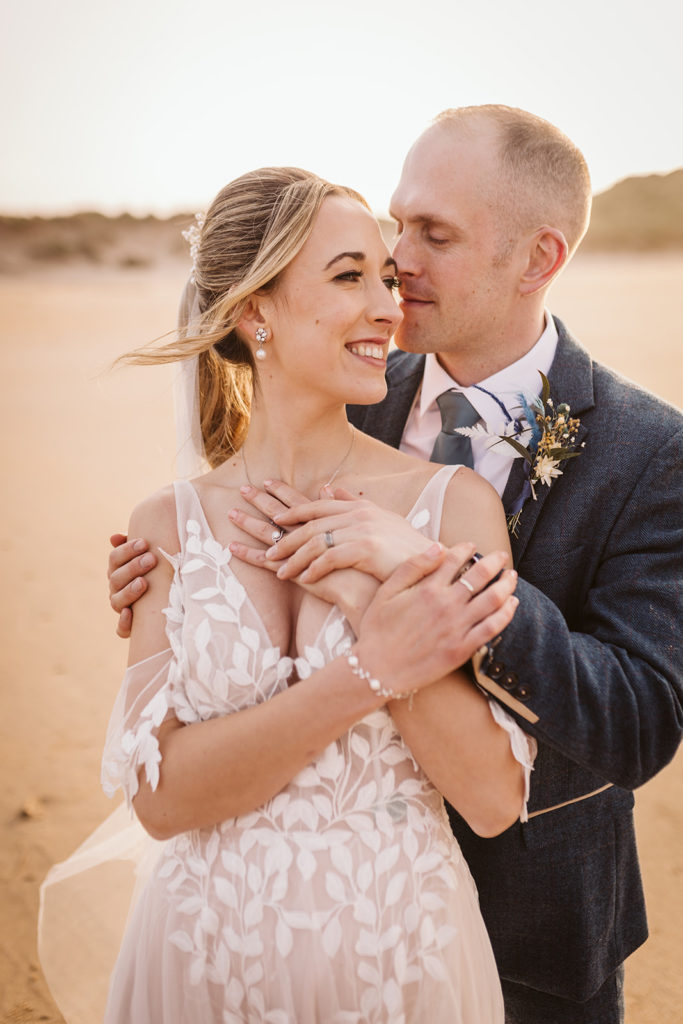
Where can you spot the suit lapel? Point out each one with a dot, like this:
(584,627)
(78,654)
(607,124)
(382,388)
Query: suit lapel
(387,419)
(512,489)
(571,381)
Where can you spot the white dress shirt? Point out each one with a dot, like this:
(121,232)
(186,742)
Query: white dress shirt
(424,422)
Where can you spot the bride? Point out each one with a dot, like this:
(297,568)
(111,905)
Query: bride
(290,742)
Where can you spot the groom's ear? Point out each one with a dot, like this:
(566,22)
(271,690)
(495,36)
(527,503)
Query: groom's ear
(547,254)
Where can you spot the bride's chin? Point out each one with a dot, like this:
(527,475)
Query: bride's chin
(370,394)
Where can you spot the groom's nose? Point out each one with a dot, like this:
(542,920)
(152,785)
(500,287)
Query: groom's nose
(406,254)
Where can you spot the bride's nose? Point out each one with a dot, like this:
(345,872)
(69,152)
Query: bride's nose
(383,307)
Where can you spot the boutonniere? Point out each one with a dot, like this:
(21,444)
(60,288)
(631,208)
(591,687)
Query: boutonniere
(550,439)
(547,439)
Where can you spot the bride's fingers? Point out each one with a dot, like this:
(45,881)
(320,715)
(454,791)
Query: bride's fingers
(341,556)
(256,527)
(253,556)
(318,549)
(317,559)
(315,533)
(269,505)
(342,493)
(310,511)
(285,493)
(355,549)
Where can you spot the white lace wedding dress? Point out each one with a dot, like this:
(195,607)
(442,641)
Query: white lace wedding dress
(343,899)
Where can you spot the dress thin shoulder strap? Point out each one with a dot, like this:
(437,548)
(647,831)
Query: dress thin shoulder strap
(187,507)
(427,510)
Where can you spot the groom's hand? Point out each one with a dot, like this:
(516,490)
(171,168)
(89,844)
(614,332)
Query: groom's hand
(129,561)
(427,619)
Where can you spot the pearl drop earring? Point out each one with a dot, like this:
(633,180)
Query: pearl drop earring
(261,336)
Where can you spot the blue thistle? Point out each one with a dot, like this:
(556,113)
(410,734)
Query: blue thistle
(530,416)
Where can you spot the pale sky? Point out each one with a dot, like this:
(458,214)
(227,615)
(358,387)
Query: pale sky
(153,105)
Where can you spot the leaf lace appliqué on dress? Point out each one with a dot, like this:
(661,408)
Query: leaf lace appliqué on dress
(344,897)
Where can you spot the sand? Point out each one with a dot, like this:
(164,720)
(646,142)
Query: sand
(81,447)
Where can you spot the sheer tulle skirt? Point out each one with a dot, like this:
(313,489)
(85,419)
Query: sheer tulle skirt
(407,950)
(273,966)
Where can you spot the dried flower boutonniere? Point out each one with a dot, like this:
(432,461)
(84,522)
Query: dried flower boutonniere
(550,439)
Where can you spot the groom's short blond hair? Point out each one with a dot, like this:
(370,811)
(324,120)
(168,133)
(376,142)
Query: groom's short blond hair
(543,178)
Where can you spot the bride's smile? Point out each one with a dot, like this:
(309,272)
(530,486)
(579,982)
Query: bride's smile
(334,301)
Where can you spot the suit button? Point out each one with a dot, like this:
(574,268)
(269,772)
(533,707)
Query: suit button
(496,670)
(522,692)
(509,681)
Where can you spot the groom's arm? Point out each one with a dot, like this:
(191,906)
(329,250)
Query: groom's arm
(609,695)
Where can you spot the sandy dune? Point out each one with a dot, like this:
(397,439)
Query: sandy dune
(82,445)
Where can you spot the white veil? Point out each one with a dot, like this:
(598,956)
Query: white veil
(190,455)
(85,900)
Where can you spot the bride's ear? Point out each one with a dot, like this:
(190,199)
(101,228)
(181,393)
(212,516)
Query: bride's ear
(252,318)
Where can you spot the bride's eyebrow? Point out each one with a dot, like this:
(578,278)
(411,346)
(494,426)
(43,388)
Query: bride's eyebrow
(358,256)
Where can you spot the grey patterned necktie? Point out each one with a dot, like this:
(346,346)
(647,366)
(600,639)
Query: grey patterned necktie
(450,448)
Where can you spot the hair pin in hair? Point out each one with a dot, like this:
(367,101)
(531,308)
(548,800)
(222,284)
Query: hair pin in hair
(192,236)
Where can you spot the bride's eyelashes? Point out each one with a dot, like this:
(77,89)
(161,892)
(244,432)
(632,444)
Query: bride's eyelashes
(355,275)
(349,275)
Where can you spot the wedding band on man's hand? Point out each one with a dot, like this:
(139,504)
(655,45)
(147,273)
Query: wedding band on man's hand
(328,538)
(466,584)
(277,535)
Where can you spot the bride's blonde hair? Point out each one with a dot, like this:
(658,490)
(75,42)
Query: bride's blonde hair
(253,229)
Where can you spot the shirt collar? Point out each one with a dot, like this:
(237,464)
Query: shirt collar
(520,377)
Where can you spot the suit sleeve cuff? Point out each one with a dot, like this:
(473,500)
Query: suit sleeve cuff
(496,681)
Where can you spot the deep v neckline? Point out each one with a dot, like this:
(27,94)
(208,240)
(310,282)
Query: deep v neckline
(225,549)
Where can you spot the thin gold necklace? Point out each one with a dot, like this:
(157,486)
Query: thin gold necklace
(334,475)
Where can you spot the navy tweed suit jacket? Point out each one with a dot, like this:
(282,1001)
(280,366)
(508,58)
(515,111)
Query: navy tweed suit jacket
(589,666)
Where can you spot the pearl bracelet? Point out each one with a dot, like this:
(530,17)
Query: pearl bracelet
(375,684)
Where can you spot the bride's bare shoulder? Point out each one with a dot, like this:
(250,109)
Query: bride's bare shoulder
(154,518)
(473,511)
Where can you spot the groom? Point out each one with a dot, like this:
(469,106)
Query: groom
(491,203)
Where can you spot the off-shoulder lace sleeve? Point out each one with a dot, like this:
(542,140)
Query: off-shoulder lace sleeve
(523,746)
(144,701)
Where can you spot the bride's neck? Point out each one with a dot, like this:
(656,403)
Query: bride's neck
(304,451)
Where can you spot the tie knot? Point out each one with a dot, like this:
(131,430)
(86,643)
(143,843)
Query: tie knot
(455,411)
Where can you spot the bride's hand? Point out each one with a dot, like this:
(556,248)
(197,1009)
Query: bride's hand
(424,621)
(262,527)
(350,589)
(337,532)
